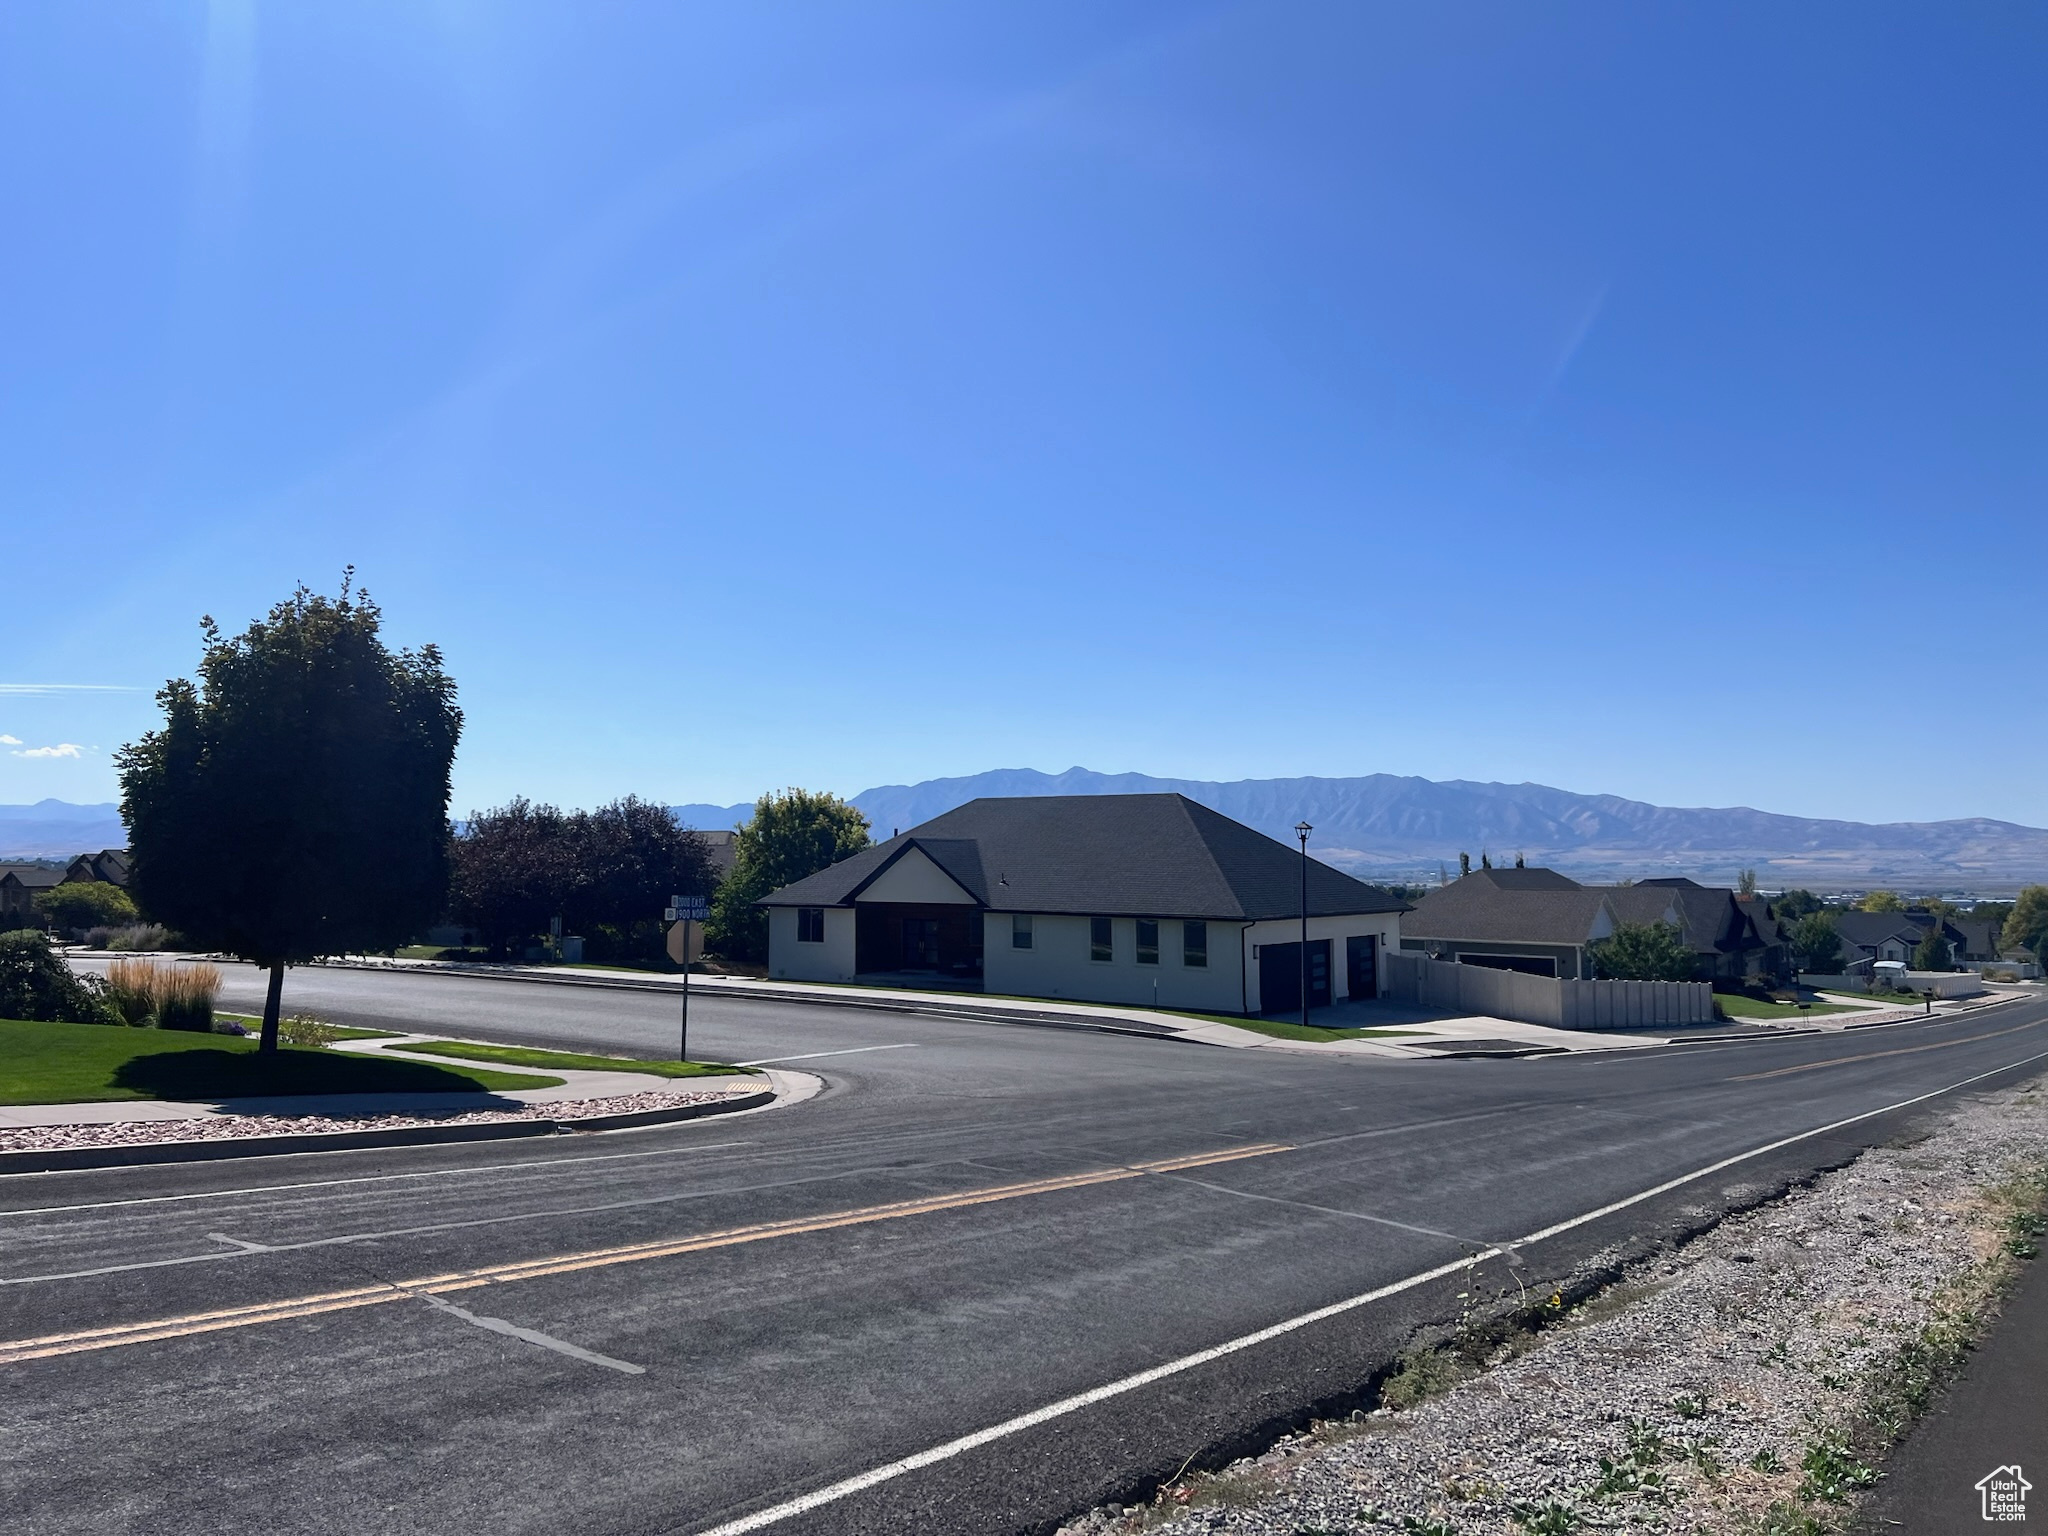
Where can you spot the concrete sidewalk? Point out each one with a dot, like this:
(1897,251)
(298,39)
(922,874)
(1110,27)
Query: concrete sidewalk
(1419,1027)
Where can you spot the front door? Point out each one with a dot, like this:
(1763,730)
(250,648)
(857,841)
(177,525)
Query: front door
(1362,965)
(920,943)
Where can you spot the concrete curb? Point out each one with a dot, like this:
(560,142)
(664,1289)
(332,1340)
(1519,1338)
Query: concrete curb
(61,1159)
(936,1008)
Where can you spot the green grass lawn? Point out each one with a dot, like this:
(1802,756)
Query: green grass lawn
(1737,1006)
(80,1063)
(523,1056)
(254,1022)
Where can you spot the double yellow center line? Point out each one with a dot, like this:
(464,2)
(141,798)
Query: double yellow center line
(17,1350)
(1904,1050)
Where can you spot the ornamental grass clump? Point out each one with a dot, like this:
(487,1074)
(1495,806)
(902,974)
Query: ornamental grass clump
(131,988)
(185,995)
(168,996)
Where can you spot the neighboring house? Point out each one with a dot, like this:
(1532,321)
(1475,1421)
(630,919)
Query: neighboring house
(1532,920)
(1542,922)
(20,884)
(1103,898)
(109,864)
(723,848)
(1772,932)
(1969,938)
(1874,936)
(1719,927)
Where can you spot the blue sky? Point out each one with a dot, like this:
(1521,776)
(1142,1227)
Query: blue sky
(1630,398)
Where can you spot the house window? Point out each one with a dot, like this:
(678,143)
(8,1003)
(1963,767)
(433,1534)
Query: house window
(1099,946)
(1020,933)
(1148,941)
(1194,943)
(810,925)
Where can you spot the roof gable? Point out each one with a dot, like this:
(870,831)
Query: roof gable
(913,875)
(1104,855)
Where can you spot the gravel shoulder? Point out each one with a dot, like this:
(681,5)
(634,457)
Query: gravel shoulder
(1747,1385)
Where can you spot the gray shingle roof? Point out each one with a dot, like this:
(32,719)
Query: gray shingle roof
(32,876)
(1867,930)
(1540,906)
(1482,907)
(1104,856)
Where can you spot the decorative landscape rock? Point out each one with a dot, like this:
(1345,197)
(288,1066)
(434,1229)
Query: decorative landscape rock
(131,1133)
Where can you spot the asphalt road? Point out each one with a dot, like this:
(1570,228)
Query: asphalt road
(1993,1419)
(992,1275)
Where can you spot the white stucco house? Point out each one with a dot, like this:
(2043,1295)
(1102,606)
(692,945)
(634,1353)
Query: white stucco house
(1147,899)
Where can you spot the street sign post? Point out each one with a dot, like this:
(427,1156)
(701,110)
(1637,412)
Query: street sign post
(683,911)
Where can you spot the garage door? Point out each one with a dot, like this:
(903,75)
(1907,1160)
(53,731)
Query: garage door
(1280,976)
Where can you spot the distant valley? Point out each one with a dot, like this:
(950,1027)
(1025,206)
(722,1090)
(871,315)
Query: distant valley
(1388,827)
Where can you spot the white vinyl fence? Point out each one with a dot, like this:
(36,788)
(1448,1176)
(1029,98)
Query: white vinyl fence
(1566,1003)
(1940,983)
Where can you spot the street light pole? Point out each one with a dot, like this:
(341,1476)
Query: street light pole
(1302,830)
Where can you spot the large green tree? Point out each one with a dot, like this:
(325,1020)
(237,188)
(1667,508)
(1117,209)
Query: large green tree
(791,835)
(1881,901)
(1817,942)
(631,856)
(514,870)
(1643,952)
(2027,926)
(80,904)
(294,802)
(606,873)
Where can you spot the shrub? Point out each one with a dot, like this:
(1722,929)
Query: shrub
(140,936)
(1643,952)
(306,1030)
(36,984)
(80,904)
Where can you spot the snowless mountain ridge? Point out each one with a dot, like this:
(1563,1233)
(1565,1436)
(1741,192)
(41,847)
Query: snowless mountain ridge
(1386,826)
(1389,826)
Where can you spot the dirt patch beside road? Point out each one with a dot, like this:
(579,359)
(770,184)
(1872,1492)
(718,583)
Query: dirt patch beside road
(1749,1383)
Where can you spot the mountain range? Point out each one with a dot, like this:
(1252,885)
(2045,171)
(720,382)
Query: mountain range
(1391,827)
(1388,827)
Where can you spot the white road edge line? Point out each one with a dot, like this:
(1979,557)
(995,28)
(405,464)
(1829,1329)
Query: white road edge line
(769,1061)
(368,1178)
(889,1471)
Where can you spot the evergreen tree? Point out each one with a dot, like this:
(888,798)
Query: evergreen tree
(1932,952)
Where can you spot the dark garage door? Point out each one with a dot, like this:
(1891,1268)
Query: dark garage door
(1280,976)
